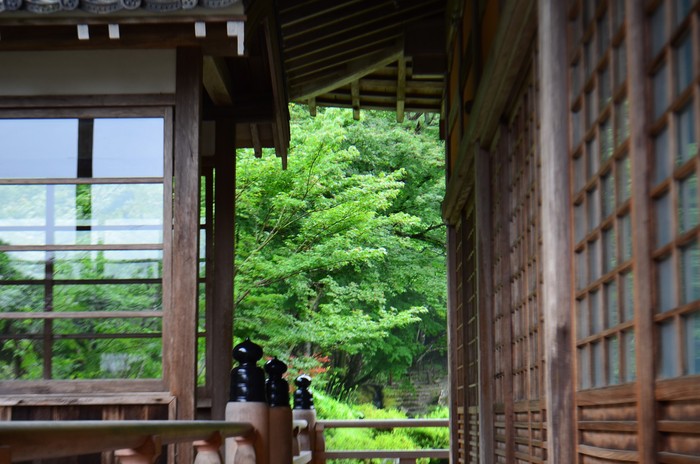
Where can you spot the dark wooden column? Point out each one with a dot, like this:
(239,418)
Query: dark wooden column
(220,333)
(452,338)
(556,232)
(485,304)
(641,246)
(180,326)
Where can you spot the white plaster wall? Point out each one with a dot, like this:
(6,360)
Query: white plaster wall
(93,72)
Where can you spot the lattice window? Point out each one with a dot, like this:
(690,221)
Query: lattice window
(81,243)
(601,191)
(675,98)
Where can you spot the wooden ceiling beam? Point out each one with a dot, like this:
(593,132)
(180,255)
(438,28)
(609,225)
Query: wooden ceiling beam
(313,56)
(323,65)
(335,17)
(410,11)
(346,74)
(291,15)
(217,80)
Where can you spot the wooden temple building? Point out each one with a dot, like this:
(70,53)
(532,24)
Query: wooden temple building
(572,203)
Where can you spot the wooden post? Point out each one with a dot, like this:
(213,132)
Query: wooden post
(5,455)
(180,326)
(485,304)
(220,340)
(144,454)
(280,414)
(319,445)
(241,450)
(642,263)
(556,232)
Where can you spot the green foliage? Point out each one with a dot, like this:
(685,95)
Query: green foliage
(342,254)
(375,439)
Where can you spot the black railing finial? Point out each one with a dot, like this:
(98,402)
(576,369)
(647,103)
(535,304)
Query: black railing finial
(303,399)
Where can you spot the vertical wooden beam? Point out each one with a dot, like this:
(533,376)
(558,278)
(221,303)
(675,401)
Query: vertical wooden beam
(452,338)
(556,232)
(221,331)
(255,137)
(180,326)
(312,106)
(355,92)
(401,89)
(641,241)
(485,304)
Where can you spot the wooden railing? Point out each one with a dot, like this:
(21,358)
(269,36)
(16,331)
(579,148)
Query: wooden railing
(321,455)
(134,442)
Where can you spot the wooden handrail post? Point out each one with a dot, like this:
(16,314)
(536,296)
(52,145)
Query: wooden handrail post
(280,414)
(319,448)
(248,405)
(147,453)
(208,450)
(5,455)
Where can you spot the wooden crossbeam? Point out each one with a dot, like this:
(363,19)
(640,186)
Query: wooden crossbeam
(217,81)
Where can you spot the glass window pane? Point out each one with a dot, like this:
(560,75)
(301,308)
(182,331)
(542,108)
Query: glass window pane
(23,215)
(591,112)
(664,224)
(38,148)
(662,164)
(580,222)
(26,360)
(582,328)
(592,201)
(584,369)
(630,356)
(685,135)
(690,267)
(609,250)
(688,208)
(611,310)
(581,280)
(660,91)
(604,88)
(684,64)
(603,32)
(128,147)
(588,64)
(620,64)
(593,157)
(608,183)
(627,296)
(619,13)
(598,365)
(606,140)
(624,180)
(20,298)
(577,122)
(579,174)
(621,122)
(666,287)
(613,361)
(576,79)
(110,358)
(596,316)
(625,228)
(658,29)
(108,297)
(594,260)
(107,264)
(668,338)
(682,8)
(692,343)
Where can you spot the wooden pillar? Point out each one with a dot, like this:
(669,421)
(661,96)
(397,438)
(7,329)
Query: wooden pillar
(221,331)
(485,304)
(556,232)
(452,339)
(642,263)
(180,326)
